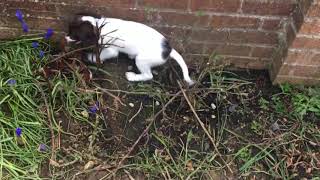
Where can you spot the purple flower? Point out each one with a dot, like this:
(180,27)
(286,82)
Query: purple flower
(18,131)
(42,148)
(35,45)
(25,27)
(49,33)
(41,54)
(12,82)
(93,109)
(19,15)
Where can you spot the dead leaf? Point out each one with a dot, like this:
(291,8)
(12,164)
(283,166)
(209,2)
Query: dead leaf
(54,163)
(190,166)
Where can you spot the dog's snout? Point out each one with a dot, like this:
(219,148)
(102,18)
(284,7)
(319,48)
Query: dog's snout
(68,39)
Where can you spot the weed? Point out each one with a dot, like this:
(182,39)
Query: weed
(264,104)
(256,127)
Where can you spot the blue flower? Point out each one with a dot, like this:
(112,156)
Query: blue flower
(49,33)
(12,82)
(19,15)
(41,54)
(93,109)
(18,131)
(25,27)
(42,148)
(35,45)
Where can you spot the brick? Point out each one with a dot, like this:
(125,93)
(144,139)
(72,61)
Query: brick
(209,36)
(246,62)
(34,6)
(111,3)
(256,37)
(315,60)
(29,9)
(301,71)
(314,10)
(277,7)
(296,80)
(9,33)
(195,59)
(168,4)
(173,32)
(185,19)
(129,14)
(234,22)
(99,3)
(215,5)
(112,12)
(66,12)
(310,26)
(263,52)
(299,57)
(33,23)
(227,49)
(187,47)
(306,43)
(271,24)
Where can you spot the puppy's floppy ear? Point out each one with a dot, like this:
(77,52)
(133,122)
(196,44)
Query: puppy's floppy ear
(87,33)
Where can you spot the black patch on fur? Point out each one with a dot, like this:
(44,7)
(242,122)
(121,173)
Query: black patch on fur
(83,31)
(166,48)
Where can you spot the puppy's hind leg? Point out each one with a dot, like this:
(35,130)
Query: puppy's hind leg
(145,71)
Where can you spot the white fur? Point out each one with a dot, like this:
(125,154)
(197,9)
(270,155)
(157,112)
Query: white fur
(68,39)
(138,41)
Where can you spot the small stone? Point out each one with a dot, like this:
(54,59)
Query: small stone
(131,104)
(213,106)
(213,116)
(54,163)
(275,126)
(232,108)
(89,165)
(85,114)
(157,103)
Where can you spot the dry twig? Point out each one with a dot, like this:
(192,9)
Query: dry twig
(52,158)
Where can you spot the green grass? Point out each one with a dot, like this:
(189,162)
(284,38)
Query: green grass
(20,106)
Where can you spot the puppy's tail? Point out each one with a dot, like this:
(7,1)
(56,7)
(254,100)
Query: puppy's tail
(176,56)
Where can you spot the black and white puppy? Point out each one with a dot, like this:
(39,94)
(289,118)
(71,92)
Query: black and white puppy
(147,46)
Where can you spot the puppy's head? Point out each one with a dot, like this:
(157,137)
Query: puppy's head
(82,31)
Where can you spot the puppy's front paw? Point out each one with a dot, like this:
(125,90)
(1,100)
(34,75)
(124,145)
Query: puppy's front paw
(131,76)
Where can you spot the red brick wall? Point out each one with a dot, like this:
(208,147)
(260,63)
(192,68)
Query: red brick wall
(301,62)
(246,33)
